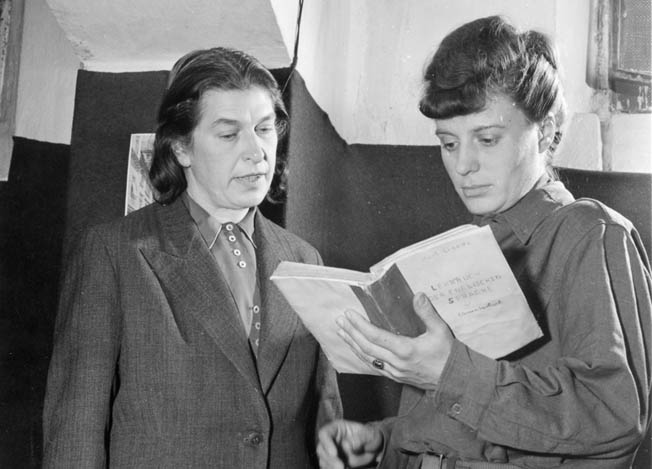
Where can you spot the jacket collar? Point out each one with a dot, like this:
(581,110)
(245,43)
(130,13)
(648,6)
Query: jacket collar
(192,282)
(279,322)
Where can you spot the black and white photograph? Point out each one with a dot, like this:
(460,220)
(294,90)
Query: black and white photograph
(329,234)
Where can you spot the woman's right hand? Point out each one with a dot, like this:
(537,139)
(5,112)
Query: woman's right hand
(344,444)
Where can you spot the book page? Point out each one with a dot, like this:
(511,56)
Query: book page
(313,271)
(319,302)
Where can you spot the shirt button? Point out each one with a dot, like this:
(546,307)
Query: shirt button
(257,326)
(242,264)
(456,408)
(256,309)
(229,227)
(231,238)
(237,252)
(254,439)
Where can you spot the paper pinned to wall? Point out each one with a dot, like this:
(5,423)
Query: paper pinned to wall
(139,189)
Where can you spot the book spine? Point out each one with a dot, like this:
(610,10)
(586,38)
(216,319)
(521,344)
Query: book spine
(388,304)
(375,315)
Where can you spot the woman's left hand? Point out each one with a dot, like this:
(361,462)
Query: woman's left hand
(418,361)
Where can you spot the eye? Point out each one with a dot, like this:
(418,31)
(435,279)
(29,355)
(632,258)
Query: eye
(488,140)
(228,136)
(266,128)
(449,146)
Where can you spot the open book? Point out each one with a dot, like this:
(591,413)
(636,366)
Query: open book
(462,271)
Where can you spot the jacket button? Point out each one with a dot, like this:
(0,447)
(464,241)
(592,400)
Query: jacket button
(254,439)
(456,408)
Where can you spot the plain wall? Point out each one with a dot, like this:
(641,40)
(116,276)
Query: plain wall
(47,77)
(361,61)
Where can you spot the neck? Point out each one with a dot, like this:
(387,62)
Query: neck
(227,215)
(221,214)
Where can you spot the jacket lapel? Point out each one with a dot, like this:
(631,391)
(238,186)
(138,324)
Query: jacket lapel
(193,284)
(279,322)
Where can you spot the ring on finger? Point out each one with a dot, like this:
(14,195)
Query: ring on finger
(378,364)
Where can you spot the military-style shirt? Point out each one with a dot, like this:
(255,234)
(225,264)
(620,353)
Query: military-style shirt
(578,397)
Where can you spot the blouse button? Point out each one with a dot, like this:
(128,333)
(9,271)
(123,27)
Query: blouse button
(237,252)
(256,309)
(254,438)
(229,227)
(231,238)
(242,264)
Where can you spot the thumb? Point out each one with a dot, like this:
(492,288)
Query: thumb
(427,312)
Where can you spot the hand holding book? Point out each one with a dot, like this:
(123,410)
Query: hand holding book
(462,271)
(415,361)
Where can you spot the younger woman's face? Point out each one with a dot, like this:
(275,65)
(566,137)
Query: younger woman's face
(493,157)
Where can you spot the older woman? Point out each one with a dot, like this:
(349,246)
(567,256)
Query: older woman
(171,347)
(580,397)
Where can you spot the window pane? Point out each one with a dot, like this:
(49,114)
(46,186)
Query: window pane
(634,36)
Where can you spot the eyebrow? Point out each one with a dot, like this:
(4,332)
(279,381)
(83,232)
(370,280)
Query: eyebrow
(235,122)
(479,128)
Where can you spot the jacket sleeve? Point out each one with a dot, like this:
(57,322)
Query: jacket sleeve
(592,401)
(83,364)
(330,403)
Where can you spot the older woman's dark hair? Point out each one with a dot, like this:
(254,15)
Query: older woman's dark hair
(195,73)
(489,56)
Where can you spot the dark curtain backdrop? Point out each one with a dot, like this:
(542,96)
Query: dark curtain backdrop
(355,203)
(109,107)
(32,209)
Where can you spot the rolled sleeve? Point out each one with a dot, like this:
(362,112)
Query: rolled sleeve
(467,385)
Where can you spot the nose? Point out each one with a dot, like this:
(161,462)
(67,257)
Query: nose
(252,148)
(467,160)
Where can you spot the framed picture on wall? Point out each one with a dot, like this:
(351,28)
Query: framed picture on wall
(139,190)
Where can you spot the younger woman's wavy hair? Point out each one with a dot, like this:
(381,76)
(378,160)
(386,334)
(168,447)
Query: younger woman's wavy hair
(193,74)
(489,56)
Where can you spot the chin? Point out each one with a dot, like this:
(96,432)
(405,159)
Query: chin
(248,202)
(480,207)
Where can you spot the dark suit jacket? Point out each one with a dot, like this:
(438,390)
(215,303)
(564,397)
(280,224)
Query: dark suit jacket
(151,365)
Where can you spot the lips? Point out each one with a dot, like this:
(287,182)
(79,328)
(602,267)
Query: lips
(251,178)
(475,190)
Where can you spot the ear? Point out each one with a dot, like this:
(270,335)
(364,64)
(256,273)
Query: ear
(182,153)
(546,132)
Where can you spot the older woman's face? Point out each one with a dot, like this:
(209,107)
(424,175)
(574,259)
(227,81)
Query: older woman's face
(492,156)
(230,161)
